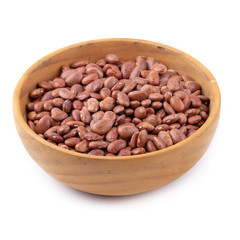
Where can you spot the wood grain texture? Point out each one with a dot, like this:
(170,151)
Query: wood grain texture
(116,175)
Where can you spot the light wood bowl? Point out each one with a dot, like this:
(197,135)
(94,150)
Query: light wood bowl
(116,175)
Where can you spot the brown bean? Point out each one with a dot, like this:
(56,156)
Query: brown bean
(148,89)
(141,62)
(150,61)
(107,104)
(126,130)
(156,105)
(166,138)
(118,86)
(204,115)
(31,125)
(83,95)
(71,142)
(67,120)
(38,107)
(159,68)
(79,64)
(76,115)
(101,62)
(173,84)
(81,132)
(85,115)
(145,125)
(58,115)
(96,152)
(72,133)
(74,78)
(146,103)
(137,95)
(140,112)
(127,68)
(56,138)
(45,85)
(67,73)
(192,111)
(98,144)
(142,138)
(105,92)
(134,104)
(112,135)
(58,83)
(123,99)
(137,151)
(125,152)
(65,93)
(82,146)
(30,106)
(186,102)
(37,93)
(196,102)
(42,125)
(76,104)
(177,104)
(180,94)
(150,146)
(63,130)
(150,110)
(153,119)
(182,119)
(74,124)
(103,125)
(62,145)
(204,98)
(110,82)
(32,115)
(135,72)
(153,78)
(167,96)
(112,58)
(144,73)
(92,105)
(161,127)
(177,135)
(118,109)
(95,70)
(67,106)
(172,118)
(89,78)
(48,105)
(155,96)
(140,81)
(192,86)
(129,87)
(115,146)
(168,108)
(58,102)
(91,136)
(194,119)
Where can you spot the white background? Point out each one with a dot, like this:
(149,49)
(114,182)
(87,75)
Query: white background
(202,204)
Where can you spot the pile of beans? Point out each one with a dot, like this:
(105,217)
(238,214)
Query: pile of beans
(117,108)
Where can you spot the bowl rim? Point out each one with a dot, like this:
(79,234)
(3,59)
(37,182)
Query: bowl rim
(21,121)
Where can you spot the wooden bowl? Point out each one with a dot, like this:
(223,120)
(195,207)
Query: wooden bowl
(116,175)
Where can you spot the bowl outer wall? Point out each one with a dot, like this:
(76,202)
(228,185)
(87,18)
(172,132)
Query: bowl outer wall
(121,175)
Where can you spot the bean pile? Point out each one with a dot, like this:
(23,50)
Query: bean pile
(117,108)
